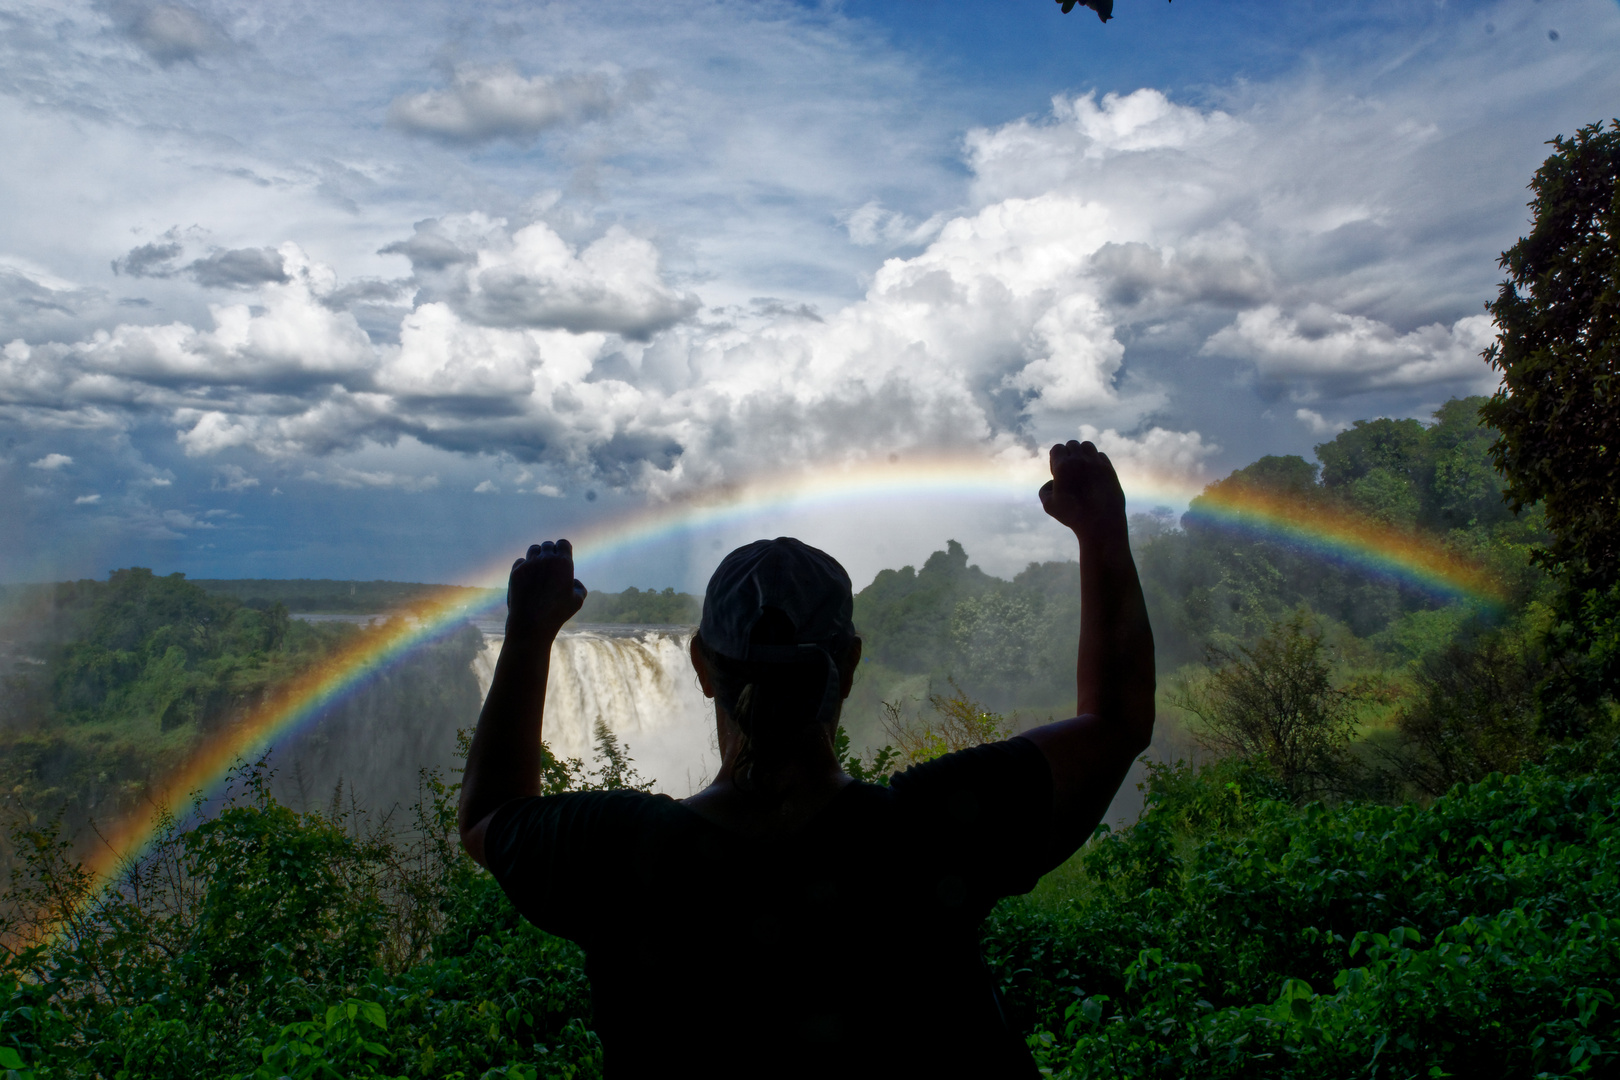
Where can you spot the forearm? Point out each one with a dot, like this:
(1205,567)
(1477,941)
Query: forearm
(1114,673)
(1090,754)
(503,762)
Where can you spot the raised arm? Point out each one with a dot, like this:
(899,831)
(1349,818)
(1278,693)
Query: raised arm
(504,761)
(1091,753)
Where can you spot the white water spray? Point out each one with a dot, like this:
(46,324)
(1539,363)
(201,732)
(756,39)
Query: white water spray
(638,680)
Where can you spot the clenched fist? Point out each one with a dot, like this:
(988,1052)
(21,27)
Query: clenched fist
(1084,492)
(542,592)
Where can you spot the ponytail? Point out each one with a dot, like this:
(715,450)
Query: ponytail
(775,706)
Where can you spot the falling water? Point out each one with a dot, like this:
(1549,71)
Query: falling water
(639,682)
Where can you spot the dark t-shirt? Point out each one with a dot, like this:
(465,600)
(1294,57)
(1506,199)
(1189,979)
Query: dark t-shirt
(846,947)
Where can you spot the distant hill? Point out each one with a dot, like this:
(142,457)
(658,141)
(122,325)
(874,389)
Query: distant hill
(322,595)
(652,607)
(318,596)
(646,607)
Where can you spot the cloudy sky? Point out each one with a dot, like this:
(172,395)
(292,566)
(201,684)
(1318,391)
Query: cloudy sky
(380,290)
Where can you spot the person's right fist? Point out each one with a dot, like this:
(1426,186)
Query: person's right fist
(1084,491)
(542,592)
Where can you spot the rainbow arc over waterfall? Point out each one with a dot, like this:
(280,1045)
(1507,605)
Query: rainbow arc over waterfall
(1411,558)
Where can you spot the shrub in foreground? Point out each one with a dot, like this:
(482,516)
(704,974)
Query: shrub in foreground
(1472,938)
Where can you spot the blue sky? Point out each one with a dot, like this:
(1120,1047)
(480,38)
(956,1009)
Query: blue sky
(364,290)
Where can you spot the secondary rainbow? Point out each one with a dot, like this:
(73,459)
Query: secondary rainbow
(1379,549)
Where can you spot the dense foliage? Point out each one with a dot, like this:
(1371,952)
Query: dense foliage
(1558,317)
(1277,703)
(161,649)
(1226,934)
(133,672)
(1558,412)
(644,607)
(1206,584)
(267,943)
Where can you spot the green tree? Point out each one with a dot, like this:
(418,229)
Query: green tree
(1277,703)
(1386,496)
(1464,489)
(904,616)
(998,638)
(1473,713)
(648,608)
(1279,475)
(1558,410)
(1558,348)
(1395,446)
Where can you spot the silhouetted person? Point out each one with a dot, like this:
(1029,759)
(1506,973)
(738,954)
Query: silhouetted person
(788,920)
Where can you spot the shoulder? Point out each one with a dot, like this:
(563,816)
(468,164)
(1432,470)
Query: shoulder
(999,783)
(563,859)
(576,806)
(979,821)
(584,817)
(1015,761)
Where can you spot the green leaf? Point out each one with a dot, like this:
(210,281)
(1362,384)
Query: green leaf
(373,1013)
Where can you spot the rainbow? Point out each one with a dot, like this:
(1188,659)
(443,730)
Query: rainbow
(288,707)
(1010,479)
(1407,556)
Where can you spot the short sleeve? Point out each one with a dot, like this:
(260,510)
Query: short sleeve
(556,856)
(986,814)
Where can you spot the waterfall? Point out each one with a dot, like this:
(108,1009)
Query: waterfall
(639,681)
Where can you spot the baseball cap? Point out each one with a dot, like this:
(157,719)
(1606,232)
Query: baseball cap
(796,588)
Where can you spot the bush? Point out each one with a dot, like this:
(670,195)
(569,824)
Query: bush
(1277,703)
(1474,714)
(953,722)
(1226,935)
(261,942)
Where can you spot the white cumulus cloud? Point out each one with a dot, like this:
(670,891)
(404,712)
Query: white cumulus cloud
(1110,219)
(531,277)
(1316,348)
(873,225)
(1317,423)
(1293,236)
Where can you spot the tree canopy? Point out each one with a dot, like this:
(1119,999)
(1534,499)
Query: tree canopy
(1558,410)
(1558,313)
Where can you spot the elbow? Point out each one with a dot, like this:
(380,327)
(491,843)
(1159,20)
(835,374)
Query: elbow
(1141,729)
(1131,717)
(1141,740)
(471,829)
(472,842)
